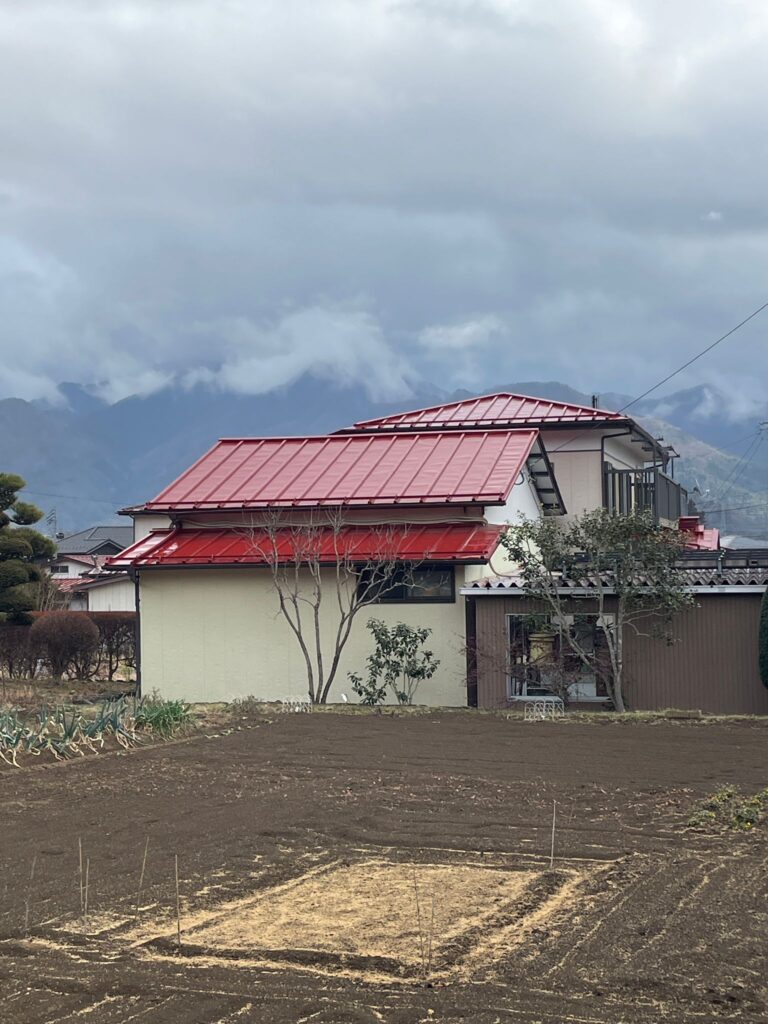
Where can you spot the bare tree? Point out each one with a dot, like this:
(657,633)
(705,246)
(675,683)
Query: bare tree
(325,570)
(318,562)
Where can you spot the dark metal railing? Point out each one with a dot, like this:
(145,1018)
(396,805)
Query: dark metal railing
(628,489)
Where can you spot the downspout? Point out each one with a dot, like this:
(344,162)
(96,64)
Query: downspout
(137,592)
(603,439)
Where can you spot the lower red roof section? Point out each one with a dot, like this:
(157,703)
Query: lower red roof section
(448,542)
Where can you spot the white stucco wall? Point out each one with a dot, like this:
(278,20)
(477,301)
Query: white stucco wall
(214,635)
(523,503)
(74,568)
(145,524)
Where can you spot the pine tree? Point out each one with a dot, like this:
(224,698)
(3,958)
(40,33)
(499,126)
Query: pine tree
(21,549)
(763,640)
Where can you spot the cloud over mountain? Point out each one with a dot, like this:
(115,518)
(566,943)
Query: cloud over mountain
(242,192)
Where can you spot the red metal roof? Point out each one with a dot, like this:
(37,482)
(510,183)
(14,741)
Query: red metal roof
(449,542)
(353,469)
(498,410)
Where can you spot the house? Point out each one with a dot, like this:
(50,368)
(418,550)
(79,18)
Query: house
(430,505)
(440,483)
(99,591)
(95,541)
(78,573)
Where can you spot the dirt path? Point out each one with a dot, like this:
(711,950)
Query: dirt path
(322,857)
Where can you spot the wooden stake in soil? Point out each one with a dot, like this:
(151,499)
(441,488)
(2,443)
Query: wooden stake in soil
(80,855)
(141,876)
(418,919)
(552,848)
(431,936)
(178,908)
(85,891)
(29,895)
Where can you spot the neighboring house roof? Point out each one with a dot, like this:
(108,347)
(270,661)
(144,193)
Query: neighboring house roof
(697,579)
(502,409)
(474,467)
(101,579)
(697,536)
(89,560)
(737,542)
(94,539)
(70,586)
(455,542)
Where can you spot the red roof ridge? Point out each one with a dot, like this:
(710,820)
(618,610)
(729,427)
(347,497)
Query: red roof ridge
(393,418)
(351,435)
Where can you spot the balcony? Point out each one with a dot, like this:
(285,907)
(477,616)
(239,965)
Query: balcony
(628,489)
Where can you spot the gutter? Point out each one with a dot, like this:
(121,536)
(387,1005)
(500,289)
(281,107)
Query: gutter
(513,592)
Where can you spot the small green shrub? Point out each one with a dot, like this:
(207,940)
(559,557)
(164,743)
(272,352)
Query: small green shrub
(727,809)
(164,717)
(399,663)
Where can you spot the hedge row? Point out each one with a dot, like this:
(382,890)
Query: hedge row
(79,645)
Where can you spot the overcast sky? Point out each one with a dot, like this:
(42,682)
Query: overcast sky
(465,191)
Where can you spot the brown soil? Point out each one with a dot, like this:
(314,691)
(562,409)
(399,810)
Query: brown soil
(328,863)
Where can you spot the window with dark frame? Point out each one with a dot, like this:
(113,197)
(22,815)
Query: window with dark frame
(430,584)
(58,570)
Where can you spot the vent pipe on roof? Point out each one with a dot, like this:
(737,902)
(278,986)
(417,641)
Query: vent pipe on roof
(595,401)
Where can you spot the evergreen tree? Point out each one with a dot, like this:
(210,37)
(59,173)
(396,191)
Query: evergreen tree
(21,548)
(763,640)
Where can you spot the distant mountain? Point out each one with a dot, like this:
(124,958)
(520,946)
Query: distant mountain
(86,458)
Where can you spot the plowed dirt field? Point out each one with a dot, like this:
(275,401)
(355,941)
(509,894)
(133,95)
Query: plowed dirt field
(354,869)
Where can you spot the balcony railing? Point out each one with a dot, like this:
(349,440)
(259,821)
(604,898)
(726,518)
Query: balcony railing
(628,489)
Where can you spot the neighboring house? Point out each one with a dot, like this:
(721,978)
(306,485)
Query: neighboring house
(600,458)
(210,624)
(100,592)
(711,666)
(96,541)
(77,569)
(68,567)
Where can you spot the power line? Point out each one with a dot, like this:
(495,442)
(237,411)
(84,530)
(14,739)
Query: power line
(740,473)
(729,448)
(741,465)
(72,497)
(733,508)
(694,358)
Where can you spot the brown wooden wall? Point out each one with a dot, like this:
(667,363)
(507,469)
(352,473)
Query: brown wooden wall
(712,666)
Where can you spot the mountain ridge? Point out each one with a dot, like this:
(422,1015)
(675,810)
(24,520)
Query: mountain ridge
(87,458)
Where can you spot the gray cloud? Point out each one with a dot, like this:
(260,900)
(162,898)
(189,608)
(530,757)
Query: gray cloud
(468,190)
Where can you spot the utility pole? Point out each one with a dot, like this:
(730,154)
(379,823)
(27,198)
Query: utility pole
(51,521)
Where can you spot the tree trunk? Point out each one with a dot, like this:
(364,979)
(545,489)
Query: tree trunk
(618,679)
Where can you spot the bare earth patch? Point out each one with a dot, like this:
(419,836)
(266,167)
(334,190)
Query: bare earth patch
(372,909)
